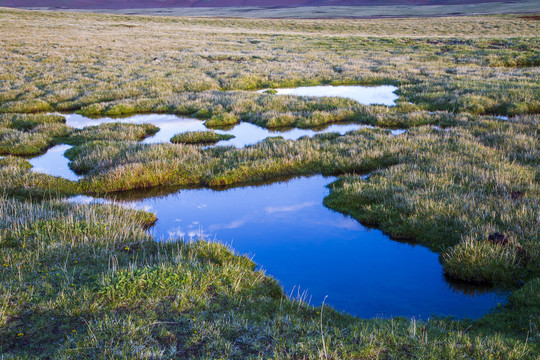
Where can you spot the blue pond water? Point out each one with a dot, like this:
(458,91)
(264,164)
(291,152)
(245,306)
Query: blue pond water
(308,247)
(54,163)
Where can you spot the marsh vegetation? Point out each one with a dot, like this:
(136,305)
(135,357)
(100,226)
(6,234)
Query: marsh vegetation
(199,137)
(88,280)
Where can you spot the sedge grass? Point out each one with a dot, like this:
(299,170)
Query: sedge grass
(87,281)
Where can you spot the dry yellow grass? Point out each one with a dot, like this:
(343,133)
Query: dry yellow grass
(65,61)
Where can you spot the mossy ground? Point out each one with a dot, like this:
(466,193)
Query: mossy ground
(86,280)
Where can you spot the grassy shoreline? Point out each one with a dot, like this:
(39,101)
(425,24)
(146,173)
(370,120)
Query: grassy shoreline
(105,292)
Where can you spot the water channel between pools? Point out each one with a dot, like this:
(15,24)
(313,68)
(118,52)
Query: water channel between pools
(54,163)
(313,251)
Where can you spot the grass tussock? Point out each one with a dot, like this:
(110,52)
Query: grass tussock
(19,181)
(199,137)
(22,134)
(111,132)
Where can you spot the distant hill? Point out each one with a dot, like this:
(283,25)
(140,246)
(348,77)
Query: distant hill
(142,4)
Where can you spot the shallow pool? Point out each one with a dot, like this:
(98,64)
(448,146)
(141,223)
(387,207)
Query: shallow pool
(312,249)
(54,163)
(366,95)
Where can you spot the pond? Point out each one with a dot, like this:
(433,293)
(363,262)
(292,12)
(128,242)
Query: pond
(313,251)
(366,95)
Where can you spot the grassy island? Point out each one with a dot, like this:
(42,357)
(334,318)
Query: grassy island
(199,137)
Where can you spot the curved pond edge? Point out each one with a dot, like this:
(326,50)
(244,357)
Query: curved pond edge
(312,250)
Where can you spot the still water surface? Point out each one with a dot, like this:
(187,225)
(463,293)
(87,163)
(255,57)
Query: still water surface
(306,246)
(366,95)
(54,163)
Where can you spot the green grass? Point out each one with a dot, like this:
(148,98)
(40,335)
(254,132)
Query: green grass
(29,134)
(483,65)
(19,181)
(87,281)
(222,120)
(199,137)
(111,132)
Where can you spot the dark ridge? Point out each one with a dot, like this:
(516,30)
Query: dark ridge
(142,4)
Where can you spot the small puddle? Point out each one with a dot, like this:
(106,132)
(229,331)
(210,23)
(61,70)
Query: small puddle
(54,163)
(396,132)
(307,247)
(366,95)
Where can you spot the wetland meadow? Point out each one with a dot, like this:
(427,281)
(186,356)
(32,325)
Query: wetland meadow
(200,188)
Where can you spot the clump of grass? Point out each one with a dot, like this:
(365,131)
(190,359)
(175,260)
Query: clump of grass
(481,261)
(199,137)
(17,180)
(15,162)
(221,120)
(112,132)
(27,122)
(27,106)
(22,134)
